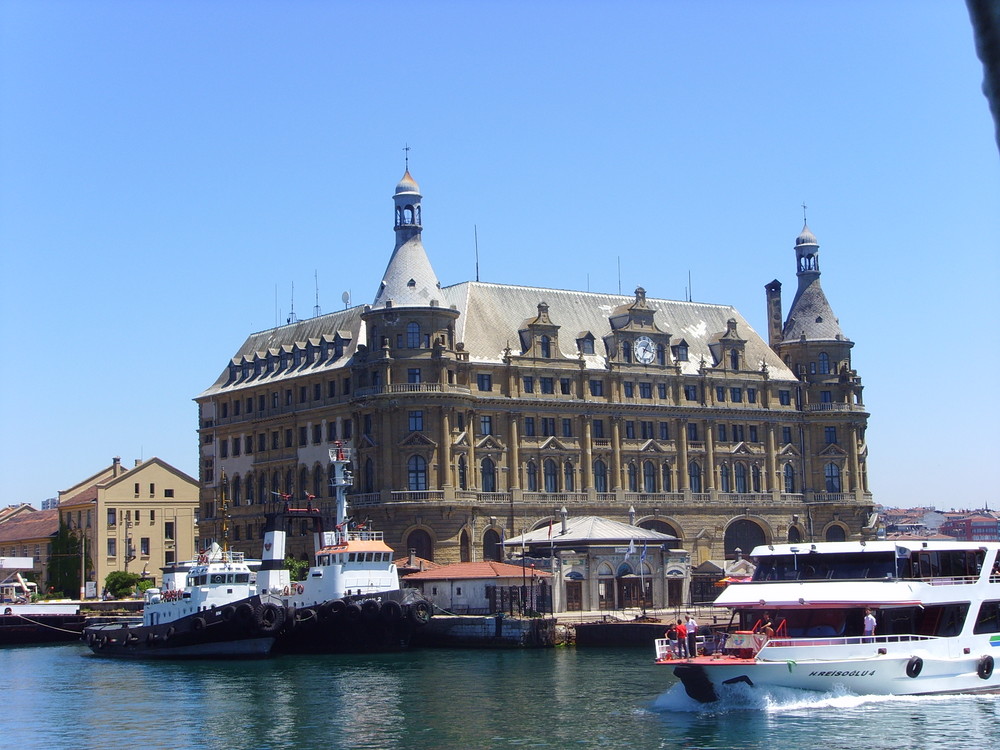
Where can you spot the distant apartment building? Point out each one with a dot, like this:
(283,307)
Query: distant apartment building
(973,528)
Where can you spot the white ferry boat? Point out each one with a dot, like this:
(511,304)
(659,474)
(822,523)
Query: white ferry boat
(351,599)
(207,608)
(801,621)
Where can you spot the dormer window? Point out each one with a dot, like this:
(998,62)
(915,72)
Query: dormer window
(734,359)
(587,345)
(545,347)
(681,352)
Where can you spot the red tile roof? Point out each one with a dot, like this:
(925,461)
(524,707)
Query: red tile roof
(36,525)
(468,570)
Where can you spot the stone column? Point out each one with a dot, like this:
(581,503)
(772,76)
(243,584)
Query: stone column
(616,454)
(709,456)
(771,462)
(683,479)
(587,465)
(473,467)
(514,470)
(855,478)
(444,472)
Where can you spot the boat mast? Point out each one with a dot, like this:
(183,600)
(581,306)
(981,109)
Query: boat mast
(340,457)
(224,503)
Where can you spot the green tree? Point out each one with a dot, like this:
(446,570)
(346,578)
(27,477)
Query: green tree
(297,569)
(64,562)
(121,584)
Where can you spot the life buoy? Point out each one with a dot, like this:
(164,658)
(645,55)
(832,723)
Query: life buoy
(985,667)
(285,592)
(299,589)
(391,611)
(270,618)
(914,666)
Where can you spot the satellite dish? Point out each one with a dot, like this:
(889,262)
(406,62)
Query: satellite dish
(346,298)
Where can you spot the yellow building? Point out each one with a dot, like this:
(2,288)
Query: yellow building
(29,533)
(478,411)
(135,520)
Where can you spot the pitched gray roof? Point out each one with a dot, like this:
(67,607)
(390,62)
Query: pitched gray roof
(409,280)
(810,316)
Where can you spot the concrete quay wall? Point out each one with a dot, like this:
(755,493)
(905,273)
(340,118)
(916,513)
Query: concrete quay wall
(456,631)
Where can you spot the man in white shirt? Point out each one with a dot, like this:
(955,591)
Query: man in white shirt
(692,629)
(869,623)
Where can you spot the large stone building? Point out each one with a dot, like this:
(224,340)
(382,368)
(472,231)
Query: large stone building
(477,411)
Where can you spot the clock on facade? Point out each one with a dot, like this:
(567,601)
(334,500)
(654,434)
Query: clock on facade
(645,350)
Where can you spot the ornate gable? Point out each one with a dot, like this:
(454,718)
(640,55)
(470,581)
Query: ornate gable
(417,439)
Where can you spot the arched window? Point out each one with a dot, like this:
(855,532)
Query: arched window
(741,477)
(832,474)
(290,482)
(317,488)
(551,474)
(789,478)
(794,535)
(413,335)
(667,483)
(492,549)
(303,481)
(463,473)
(724,478)
(369,475)
(545,347)
(237,491)
(633,478)
(262,496)
(331,474)
(755,478)
(408,214)
(649,477)
(836,533)
(489,475)
(600,476)
(421,543)
(464,548)
(664,528)
(250,489)
(824,363)
(532,472)
(568,480)
(416,469)
(694,476)
(744,535)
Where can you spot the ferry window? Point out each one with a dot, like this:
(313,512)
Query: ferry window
(242,578)
(218,578)
(368,557)
(353,557)
(989,618)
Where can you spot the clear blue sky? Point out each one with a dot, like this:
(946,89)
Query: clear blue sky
(165,166)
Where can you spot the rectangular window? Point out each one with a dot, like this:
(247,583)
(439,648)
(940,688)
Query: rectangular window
(236,446)
(664,431)
(692,430)
(596,387)
(261,403)
(529,384)
(722,433)
(416,420)
(486,425)
(144,546)
(548,426)
(348,429)
(248,444)
(288,438)
(152,489)
(647,430)
(317,391)
(484,381)
(413,375)
(753,434)
(303,391)
(152,513)
(630,429)
(720,394)
(529,426)
(137,489)
(564,386)
(784,397)
(366,424)
(830,434)
(331,388)
(303,435)
(736,395)
(112,547)
(317,433)
(690,393)
(224,448)
(274,400)
(826,397)
(738,433)
(599,428)
(751,395)
(661,391)
(567,428)
(236,407)
(225,410)
(331,430)
(249,404)
(288,397)
(629,388)
(347,386)
(645,390)
(262,442)
(786,435)
(548,385)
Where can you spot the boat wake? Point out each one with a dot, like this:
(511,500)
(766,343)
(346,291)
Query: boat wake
(778,700)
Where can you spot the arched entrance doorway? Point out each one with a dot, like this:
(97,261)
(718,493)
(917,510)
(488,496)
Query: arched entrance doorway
(743,535)
(421,543)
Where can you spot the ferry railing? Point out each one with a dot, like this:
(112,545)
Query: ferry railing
(853,640)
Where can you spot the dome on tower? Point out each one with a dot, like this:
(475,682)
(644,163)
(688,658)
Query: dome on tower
(407,185)
(806,237)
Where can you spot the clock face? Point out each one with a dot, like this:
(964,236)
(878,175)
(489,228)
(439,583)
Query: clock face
(645,351)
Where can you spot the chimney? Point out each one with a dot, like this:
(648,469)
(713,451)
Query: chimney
(413,559)
(773,313)
(116,466)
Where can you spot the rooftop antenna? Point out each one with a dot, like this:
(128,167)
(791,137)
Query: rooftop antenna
(275,305)
(291,315)
(475,229)
(346,299)
(689,286)
(619,274)
(316,310)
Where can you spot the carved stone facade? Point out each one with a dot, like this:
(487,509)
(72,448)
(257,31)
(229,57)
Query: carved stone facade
(475,412)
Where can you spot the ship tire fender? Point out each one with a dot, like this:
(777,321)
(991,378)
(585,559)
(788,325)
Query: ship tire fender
(150,639)
(228,613)
(391,611)
(305,615)
(370,609)
(270,618)
(244,612)
(420,613)
(325,611)
(291,618)
(914,666)
(198,623)
(90,639)
(985,667)
(169,634)
(352,612)
(338,606)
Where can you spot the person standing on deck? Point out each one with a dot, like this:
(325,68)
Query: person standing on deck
(681,640)
(869,623)
(692,631)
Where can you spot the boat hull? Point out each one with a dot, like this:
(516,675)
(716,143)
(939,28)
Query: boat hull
(243,629)
(27,628)
(915,672)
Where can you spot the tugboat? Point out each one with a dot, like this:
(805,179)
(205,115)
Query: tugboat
(207,608)
(877,617)
(351,600)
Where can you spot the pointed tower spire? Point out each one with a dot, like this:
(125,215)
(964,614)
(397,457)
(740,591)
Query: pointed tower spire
(409,279)
(810,317)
